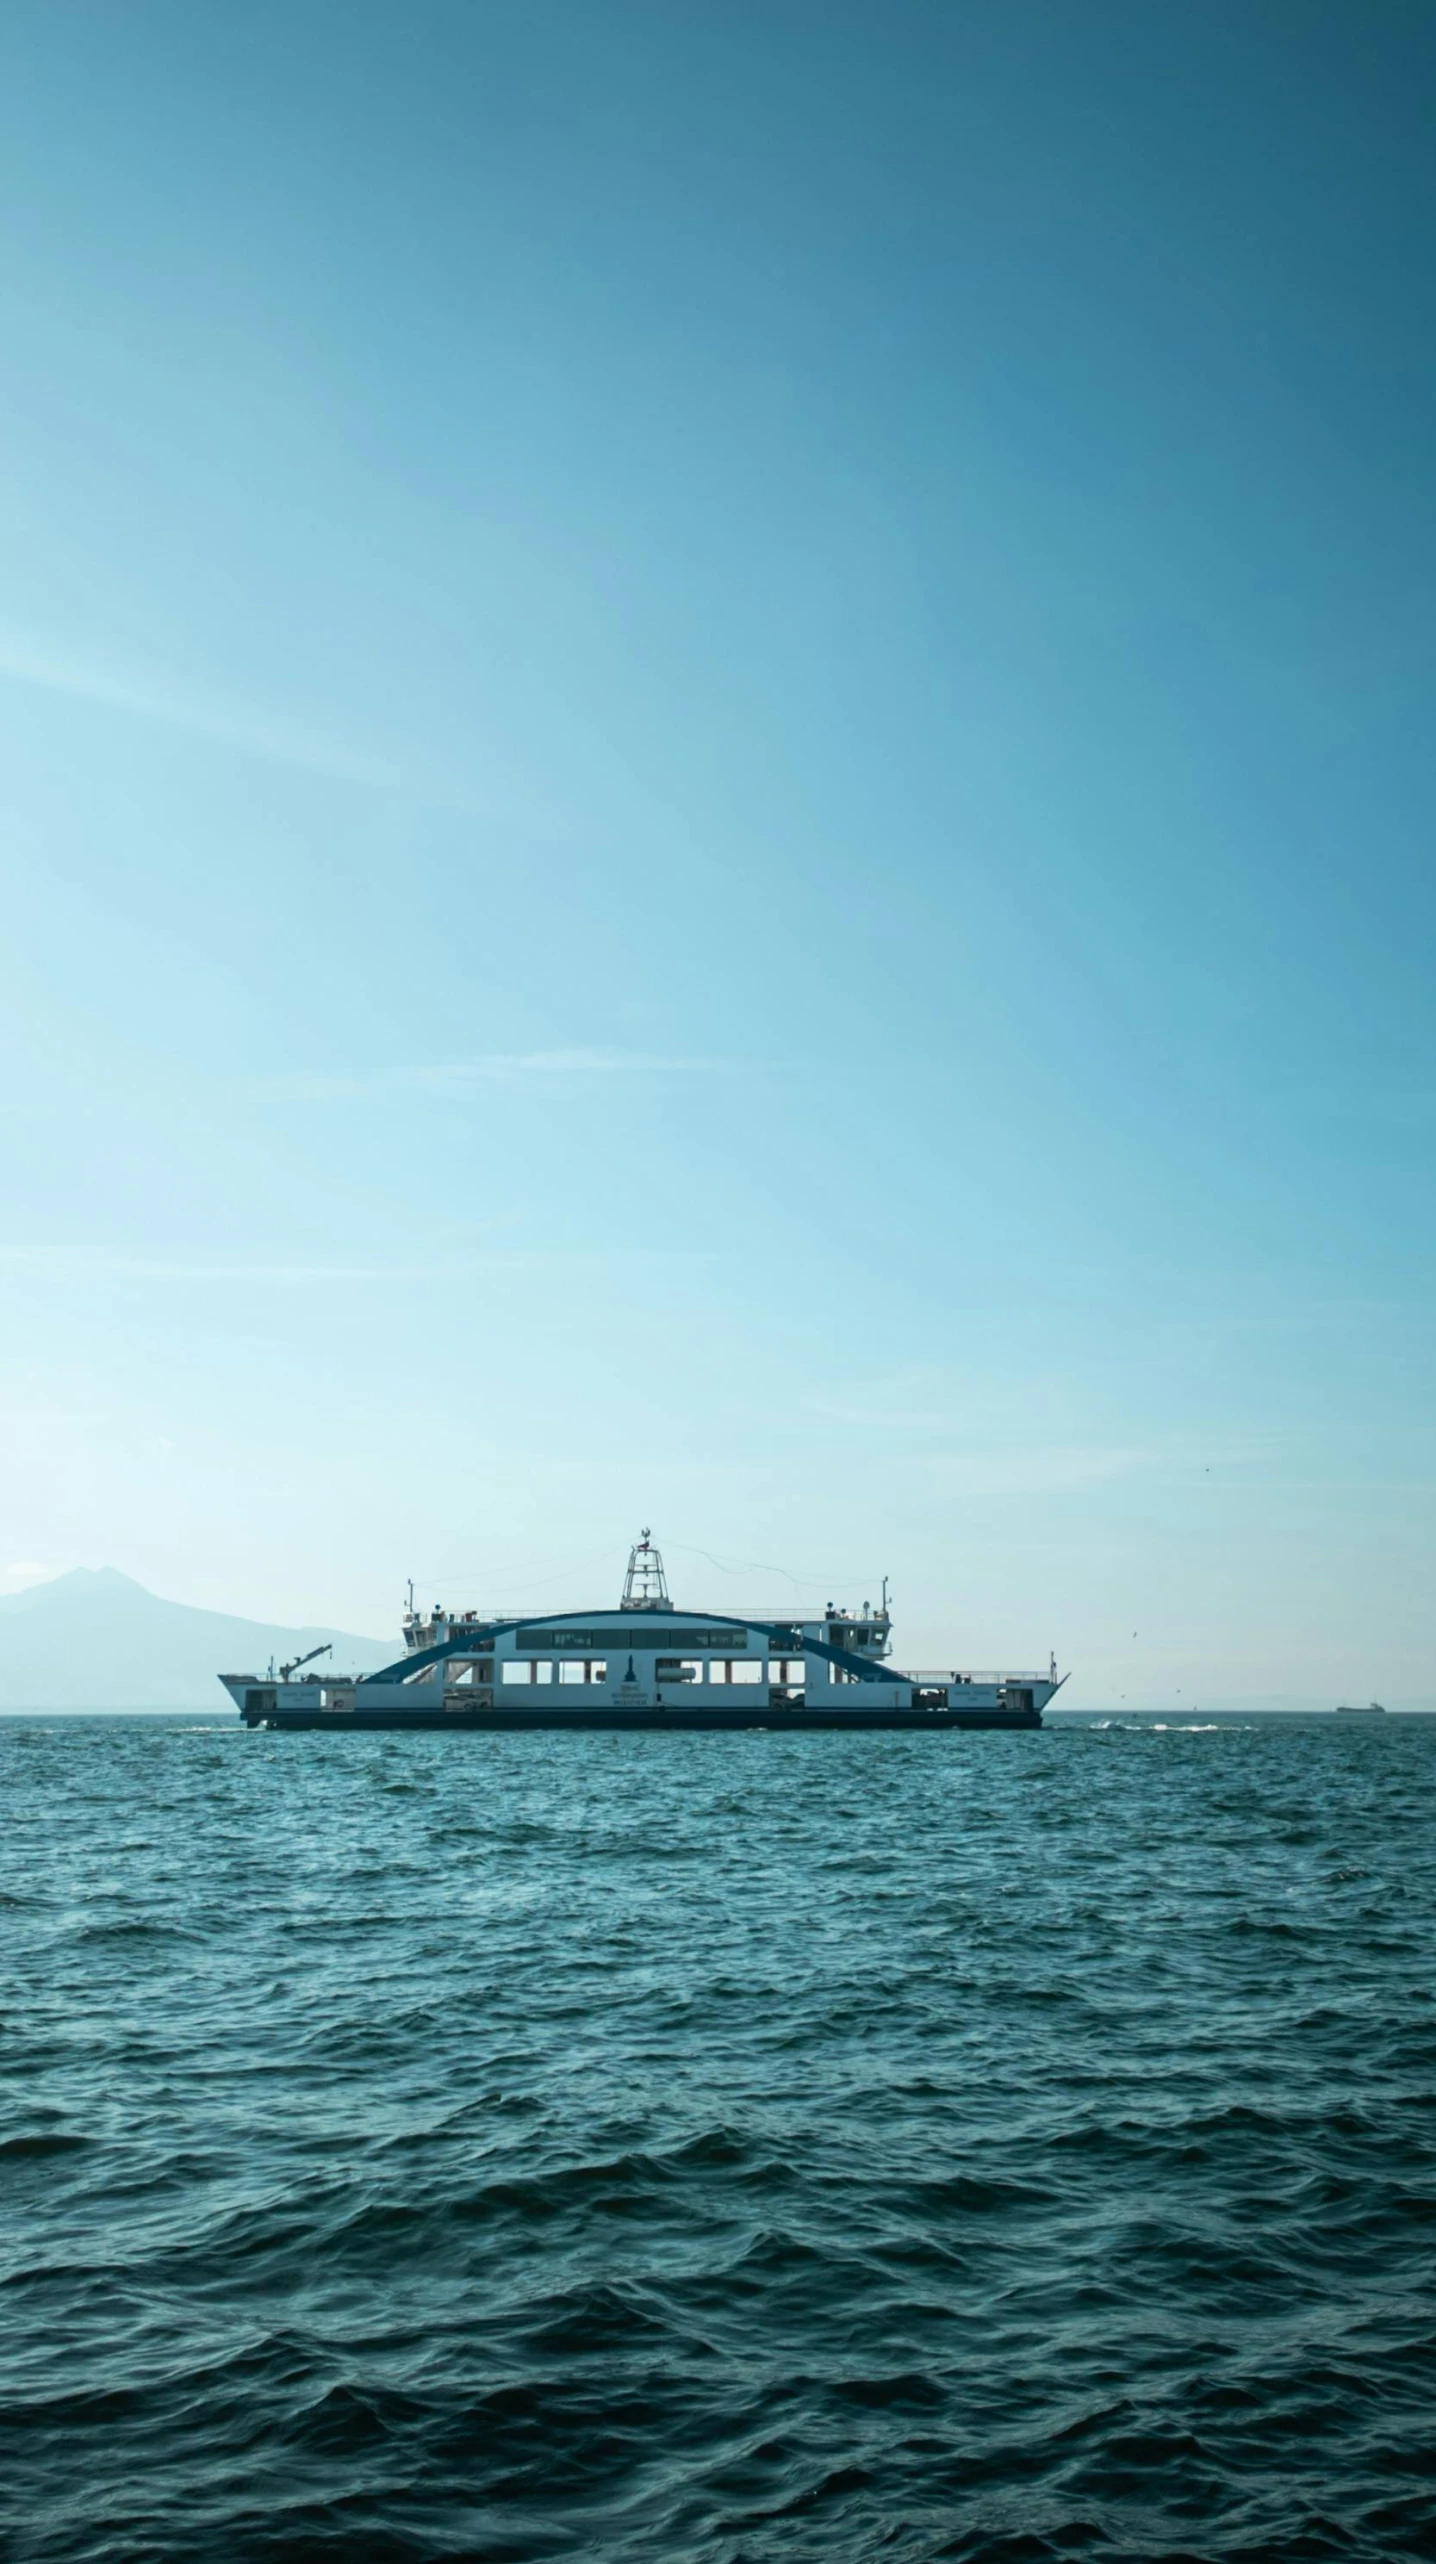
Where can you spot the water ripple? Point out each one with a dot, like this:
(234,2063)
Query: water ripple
(718,2150)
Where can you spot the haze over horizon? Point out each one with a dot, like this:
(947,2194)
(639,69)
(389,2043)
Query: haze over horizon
(718,812)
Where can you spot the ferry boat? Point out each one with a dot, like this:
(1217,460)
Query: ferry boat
(644,1663)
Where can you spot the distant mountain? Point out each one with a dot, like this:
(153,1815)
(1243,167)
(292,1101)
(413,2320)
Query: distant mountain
(1259,1705)
(96,1640)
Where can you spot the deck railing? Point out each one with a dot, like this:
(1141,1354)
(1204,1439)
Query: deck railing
(947,1674)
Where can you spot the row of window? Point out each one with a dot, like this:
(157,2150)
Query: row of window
(691,1669)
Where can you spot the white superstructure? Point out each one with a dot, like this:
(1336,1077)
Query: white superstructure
(645,1661)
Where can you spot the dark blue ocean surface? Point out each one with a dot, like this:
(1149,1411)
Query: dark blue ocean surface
(717,2148)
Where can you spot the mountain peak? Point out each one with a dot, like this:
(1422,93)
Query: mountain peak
(75,1582)
(95,1639)
(110,1577)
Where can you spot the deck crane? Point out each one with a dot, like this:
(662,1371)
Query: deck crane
(288,1672)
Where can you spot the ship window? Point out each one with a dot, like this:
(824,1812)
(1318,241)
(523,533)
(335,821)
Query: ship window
(573,1669)
(526,1669)
(752,1671)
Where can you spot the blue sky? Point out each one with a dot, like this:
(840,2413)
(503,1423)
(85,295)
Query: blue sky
(716,805)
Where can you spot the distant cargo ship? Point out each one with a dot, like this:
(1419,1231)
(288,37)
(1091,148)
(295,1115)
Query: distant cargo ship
(1361,1709)
(643,1664)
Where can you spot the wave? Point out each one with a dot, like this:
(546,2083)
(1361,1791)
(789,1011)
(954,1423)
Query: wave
(593,2157)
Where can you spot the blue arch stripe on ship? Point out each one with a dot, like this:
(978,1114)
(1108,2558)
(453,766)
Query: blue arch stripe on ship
(782,1636)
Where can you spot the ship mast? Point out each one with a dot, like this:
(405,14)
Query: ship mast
(645,1587)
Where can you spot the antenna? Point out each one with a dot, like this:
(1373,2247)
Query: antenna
(645,1587)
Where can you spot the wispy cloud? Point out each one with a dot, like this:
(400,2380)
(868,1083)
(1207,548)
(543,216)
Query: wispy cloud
(86,1264)
(21,1573)
(157,695)
(460,1077)
(974,1454)
(65,1263)
(915,1400)
(878,1416)
(1036,1469)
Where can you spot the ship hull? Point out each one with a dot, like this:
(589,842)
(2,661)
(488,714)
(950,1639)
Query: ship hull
(612,1718)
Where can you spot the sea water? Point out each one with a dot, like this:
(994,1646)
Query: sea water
(722,2148)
